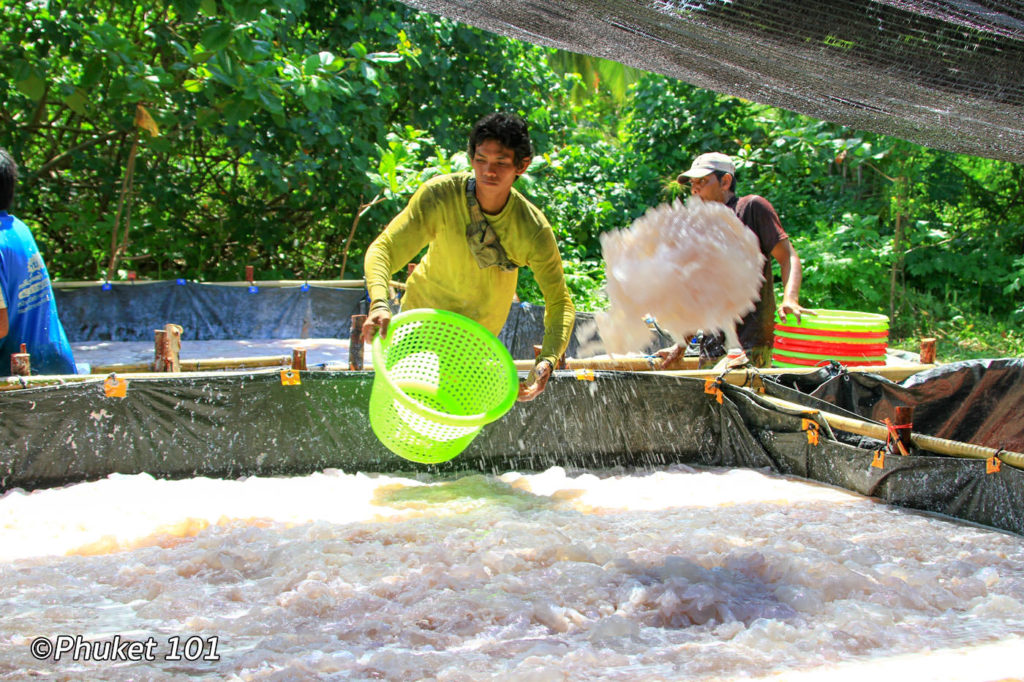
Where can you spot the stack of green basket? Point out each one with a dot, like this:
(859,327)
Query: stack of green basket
(851,338)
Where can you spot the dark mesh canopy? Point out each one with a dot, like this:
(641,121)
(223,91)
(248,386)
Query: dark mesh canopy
(946,74)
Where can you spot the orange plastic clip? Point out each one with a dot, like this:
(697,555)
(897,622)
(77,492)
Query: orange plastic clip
(813,430)
(711,387)
(290,378)
(879,459)
(993,464)
(584,375)
(115,387)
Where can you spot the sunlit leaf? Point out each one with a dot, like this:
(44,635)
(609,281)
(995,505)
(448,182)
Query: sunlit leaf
(145,121)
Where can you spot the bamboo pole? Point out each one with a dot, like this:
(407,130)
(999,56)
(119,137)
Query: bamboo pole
(623,364)
(16,383)
(942,446)
(198,365)
(737,377)
(744,376)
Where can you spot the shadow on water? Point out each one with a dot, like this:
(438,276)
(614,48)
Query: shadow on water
(472,491)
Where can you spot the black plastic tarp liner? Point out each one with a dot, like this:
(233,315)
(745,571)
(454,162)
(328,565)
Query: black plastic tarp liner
(229,425)
(130,312)
(524,328)
(943,73)
(975,401)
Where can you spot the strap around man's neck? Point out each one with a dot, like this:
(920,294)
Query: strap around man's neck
(483,241)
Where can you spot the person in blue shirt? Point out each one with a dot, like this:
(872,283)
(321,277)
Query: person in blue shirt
(28,311)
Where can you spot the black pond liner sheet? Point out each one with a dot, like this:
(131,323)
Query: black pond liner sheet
(243,424)
(131,312)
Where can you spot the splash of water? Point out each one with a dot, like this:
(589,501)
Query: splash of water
(691,266)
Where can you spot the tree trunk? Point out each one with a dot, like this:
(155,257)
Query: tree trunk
(898,248)
(116,248)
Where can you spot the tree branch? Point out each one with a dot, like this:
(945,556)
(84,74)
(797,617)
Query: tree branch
(117,249)
(351,233)
(60,158)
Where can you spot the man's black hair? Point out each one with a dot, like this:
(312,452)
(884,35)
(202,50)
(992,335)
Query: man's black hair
(508,129)
(8,178)
(722,174)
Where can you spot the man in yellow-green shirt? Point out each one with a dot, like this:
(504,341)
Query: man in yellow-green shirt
(479,231)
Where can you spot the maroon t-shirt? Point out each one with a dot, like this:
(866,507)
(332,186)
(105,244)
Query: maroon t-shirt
(758,327)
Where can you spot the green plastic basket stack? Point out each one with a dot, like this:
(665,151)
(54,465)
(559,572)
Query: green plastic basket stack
(852,338)
(439,377)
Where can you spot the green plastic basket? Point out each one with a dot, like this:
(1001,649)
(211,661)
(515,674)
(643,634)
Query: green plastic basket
(439,378)
(831,335)
(840,321)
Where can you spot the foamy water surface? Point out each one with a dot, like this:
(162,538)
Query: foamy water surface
(677,574)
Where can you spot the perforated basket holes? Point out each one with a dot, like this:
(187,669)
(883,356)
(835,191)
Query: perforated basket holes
(468,374)
(411,435)
(414,437)
(431,430)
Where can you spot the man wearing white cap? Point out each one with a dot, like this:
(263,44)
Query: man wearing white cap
(712,177)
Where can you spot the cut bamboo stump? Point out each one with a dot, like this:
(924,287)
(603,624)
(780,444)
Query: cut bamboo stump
(355,343)
(927,351)
(21,363)
(904,425)
(167,348)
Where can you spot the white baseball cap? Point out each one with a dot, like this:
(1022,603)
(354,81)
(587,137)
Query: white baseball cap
(706,164)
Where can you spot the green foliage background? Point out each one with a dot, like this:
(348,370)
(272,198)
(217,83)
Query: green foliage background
(286,133)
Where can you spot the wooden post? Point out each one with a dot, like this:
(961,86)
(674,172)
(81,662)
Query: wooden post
(21,363)
(248,274)
(299,359)
(927,351)
(159,363)
(172,344)
(167,349)
(904,423)
(355,343)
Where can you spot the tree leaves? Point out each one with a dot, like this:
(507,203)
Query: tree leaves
(279,119)
(217,37)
